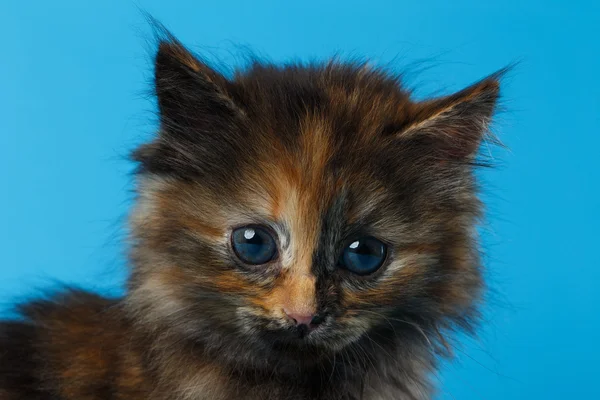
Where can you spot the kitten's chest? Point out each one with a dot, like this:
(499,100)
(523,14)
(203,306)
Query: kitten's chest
(367,388)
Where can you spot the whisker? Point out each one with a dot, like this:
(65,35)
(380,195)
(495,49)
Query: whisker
(413,324)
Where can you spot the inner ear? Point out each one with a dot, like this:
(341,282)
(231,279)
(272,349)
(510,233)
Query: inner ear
(457,123)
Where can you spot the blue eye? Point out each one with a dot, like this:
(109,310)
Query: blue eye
(253,245)
(364,256)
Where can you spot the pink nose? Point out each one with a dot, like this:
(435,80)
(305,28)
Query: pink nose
(300,319)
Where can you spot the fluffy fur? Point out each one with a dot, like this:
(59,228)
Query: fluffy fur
(319,153)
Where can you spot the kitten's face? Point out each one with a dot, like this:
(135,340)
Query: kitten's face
(295,210)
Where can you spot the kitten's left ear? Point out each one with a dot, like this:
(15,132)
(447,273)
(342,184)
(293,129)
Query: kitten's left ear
(191,95)
(456,123)
(198,116)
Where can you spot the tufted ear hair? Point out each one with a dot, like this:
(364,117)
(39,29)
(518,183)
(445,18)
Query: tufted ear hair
(456,123)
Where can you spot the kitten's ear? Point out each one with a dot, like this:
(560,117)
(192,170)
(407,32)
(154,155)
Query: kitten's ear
(457,123)
(190,94)
(198,117)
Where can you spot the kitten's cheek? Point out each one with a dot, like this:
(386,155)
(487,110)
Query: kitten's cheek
(353,324)
(251,318)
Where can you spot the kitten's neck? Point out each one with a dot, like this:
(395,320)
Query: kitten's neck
(363,370)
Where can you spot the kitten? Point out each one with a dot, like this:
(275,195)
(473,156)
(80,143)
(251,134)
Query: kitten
(300,232)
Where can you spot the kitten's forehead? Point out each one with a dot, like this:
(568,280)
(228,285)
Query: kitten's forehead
(322,130)
(352,99)
(314,172)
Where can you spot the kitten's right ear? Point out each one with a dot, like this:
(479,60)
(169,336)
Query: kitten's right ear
(457,123)
(192,97)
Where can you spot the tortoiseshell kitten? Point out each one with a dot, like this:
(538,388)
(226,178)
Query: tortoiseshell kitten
(300,232)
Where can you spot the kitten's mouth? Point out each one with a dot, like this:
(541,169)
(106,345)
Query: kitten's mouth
(301,342)
(301,331)
(297,334)
(292,339)
(299,348)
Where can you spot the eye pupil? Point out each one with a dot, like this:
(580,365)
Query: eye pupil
(364,256)
(253,245)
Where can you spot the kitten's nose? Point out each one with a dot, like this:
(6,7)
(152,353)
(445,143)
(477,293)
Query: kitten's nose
(303,319)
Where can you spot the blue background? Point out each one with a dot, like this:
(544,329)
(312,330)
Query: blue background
(73,101)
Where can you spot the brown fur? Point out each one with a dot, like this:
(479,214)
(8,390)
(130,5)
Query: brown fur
(318,154)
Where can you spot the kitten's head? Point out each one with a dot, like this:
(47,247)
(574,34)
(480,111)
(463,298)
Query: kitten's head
(291,211)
